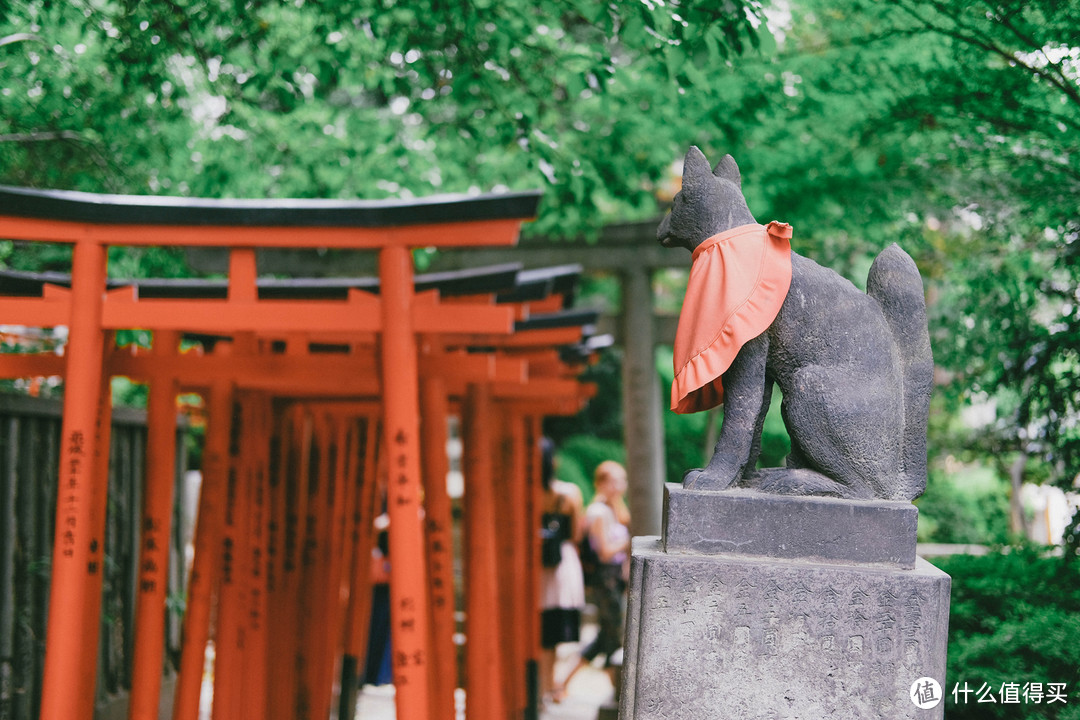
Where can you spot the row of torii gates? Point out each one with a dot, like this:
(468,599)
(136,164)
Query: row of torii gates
(325,401)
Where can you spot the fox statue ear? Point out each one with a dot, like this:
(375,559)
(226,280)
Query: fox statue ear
(726,169)
(695,165)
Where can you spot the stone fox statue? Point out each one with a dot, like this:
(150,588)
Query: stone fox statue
(854,368)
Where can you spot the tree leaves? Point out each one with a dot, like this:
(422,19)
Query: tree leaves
(366,98)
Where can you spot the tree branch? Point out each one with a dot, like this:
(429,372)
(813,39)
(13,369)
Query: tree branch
(41,136)
(988,46)
(17,37)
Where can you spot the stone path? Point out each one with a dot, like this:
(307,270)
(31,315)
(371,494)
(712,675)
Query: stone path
(587,692)
(589,689)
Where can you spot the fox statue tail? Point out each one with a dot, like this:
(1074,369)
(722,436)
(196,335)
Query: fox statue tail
(895,283)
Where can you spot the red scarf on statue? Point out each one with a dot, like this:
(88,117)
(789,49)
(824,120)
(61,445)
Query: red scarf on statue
(738,281)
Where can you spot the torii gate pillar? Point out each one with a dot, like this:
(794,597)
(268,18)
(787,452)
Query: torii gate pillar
(401,404)
(642,429)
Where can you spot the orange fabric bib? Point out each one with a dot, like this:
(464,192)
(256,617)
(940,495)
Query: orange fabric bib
(738,281)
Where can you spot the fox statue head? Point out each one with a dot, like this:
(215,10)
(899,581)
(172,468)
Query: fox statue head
(710,202)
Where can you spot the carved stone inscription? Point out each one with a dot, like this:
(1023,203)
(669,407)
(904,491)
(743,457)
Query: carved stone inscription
(726,637)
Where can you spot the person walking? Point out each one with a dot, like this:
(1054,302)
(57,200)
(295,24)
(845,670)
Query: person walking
(606,522)
(562,587)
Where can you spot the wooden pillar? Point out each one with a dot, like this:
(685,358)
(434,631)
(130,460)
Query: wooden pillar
(401,407)
(642,428)
(339,468)
(254,687)
(205,568)
(229,638)
(440,548)
(153,573)
(312,621)
(358,615)
(534,504)
(506,526)
(516,565)
(285,500)
(298,524)
(484,668)
(69,674)
(98,512)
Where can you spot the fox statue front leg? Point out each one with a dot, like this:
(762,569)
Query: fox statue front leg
(746,401)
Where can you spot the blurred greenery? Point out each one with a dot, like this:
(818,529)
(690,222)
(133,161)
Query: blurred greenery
(970,506)
(1014,619)
(360,98)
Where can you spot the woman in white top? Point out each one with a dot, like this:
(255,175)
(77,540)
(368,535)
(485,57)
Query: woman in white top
(606,523)
(562,587)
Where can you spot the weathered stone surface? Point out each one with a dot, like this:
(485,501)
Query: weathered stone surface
(855,369)
(745,522)
(741,638)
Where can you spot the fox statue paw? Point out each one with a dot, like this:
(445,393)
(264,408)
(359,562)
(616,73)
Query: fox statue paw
(719,474)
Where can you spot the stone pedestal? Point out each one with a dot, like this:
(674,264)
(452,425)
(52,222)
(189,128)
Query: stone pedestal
(761,606)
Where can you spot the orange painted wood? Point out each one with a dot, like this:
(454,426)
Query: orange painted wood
(364,458)
(542,388)
(460,234)
(408,582)
(68,676)
(321,592)
(451,319)
(353,374)
(99,510)
(17,365)
(535,511)
(278,661)
(550,304)
(338,500)
(254,687)
(153,571)
(310,622)
(352,474)
(230,627)
(502,480)
(296,533)
(242,275)
(255,371)
(35,312)
(206,566)
(463,367)
(516,481)
(265,316)
(440,546)
(358,617)
(528,338)
(484,666)
(223,316)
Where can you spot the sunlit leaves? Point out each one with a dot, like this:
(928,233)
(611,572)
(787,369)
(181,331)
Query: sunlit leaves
(371,98)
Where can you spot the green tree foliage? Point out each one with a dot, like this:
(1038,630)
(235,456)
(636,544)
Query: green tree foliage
(968,507)
(1013,619)
(357,98)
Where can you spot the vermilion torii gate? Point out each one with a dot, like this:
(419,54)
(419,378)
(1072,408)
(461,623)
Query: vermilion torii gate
(269,337)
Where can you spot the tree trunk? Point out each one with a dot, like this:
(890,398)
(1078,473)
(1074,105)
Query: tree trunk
(1017,519)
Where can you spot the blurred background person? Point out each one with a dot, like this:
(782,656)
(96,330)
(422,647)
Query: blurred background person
(606,523)
(562,587)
